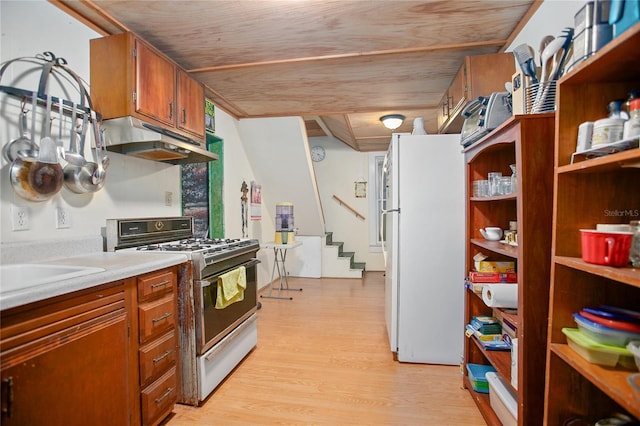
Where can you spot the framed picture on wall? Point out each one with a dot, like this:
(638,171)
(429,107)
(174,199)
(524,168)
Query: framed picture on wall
(195,196)
(209,116)
(256,201)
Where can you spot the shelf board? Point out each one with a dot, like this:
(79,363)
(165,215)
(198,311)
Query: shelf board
(500,360)
(512,196)
(627,275)
(617,161)
(612,382)
(496,247)
(513,318)
(483,403)
(617,60)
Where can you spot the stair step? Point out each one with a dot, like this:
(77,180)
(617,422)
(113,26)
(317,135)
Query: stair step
(347,254)
(356,269)
(338,244)
(359,265)
(329,238)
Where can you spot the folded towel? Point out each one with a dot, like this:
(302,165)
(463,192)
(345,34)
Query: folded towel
(231,287)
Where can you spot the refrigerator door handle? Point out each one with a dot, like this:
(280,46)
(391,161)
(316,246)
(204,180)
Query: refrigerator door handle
(382,236)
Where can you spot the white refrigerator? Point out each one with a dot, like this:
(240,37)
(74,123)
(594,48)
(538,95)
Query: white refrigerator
(423,229)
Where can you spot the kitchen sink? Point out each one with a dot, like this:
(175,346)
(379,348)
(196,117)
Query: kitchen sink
(23,275)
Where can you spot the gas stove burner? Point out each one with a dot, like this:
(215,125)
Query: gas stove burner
(185,247)
(205,242)
(149,247)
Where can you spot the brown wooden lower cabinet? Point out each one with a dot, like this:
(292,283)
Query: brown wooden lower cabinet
(158,398)
(101,356)
(66,363)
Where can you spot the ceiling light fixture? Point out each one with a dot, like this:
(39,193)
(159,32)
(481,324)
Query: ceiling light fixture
(392,121)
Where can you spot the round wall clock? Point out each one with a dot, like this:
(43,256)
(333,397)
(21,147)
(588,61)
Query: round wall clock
(317,153)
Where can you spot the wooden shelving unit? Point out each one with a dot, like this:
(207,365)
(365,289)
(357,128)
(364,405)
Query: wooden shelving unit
(526,141)
(592,191)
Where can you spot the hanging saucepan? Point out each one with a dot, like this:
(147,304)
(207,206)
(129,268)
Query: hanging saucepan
(22,143)
(38,178)
(79,178)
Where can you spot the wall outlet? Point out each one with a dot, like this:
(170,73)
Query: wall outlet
(168,198)
(19,218)
(63,219)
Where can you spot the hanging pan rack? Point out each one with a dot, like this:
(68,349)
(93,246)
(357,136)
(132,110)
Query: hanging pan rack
(79,176)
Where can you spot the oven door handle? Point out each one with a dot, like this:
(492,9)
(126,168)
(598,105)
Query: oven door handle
(248,264)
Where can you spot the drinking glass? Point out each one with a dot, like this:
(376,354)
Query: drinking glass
(494,182)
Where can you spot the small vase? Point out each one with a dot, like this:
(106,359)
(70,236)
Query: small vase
(418,127)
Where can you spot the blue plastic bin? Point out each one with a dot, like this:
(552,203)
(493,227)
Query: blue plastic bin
(623,14)
(477,377)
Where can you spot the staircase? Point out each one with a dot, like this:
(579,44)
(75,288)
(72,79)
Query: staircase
(337,263)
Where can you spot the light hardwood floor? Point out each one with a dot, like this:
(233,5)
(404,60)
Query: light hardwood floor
(323,359)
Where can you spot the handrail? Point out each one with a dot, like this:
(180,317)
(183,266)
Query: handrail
(348,207)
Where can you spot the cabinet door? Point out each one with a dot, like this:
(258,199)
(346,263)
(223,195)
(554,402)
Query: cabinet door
(443,110)
(77,376)
(155,85)
(190,105)
(458,90)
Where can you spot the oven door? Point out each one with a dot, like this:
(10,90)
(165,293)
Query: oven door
(213,324)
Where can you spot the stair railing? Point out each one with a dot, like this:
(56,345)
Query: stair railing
(348,207)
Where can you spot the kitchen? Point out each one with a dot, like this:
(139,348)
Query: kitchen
(137,187)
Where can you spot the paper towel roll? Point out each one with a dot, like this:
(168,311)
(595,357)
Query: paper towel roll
(500,295)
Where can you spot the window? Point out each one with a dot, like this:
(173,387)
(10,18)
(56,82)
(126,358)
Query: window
(376,160)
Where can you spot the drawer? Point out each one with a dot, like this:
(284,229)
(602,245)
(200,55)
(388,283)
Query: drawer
(156,317)
(157,357)
(155,284)
(158,399)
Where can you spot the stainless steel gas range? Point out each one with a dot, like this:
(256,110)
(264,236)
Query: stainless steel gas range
(212,340)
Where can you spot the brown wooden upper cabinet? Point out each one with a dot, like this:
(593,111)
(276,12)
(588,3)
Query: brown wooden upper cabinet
(479,75)
(190,104)
(130,77)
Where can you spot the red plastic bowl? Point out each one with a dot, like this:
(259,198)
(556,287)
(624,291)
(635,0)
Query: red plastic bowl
(606,248)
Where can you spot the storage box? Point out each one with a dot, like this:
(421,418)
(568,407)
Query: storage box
(492,266)
(493,277)
(623,14)
(603,334)
(503,402)
(597,353)
(514,363)
(477,373)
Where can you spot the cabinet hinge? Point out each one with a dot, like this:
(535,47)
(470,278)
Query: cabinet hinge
(135,52)
(133,97)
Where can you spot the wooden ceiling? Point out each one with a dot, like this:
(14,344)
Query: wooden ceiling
(339,64)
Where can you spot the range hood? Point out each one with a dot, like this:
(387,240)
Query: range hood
(132,136)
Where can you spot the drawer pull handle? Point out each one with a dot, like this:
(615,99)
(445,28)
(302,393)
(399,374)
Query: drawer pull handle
(163,397)
(7,389)
(163,317)
(161,357)
(160,284)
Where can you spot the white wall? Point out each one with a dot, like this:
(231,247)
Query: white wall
(134,187)
(280,159)
(337,174)
(550,19)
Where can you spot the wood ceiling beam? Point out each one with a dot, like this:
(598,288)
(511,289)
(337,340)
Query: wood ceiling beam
(458,46)
(340,112)
(71,9)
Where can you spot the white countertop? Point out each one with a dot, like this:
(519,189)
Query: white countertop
(116,265)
